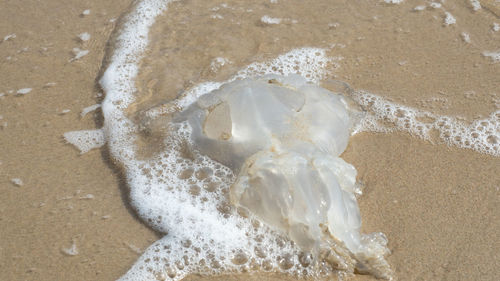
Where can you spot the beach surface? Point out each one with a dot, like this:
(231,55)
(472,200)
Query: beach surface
(66,216)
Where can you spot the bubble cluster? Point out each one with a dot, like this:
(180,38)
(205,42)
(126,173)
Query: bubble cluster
(85,140)
(482,135)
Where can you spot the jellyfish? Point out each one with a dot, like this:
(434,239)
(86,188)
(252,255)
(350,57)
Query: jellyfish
(283,138)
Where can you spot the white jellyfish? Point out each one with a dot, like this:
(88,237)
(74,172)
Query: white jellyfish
(283,137)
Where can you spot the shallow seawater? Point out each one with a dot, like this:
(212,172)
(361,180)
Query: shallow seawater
(400,62)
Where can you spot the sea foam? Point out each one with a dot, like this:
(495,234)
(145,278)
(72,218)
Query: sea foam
(85,140)
(481,135)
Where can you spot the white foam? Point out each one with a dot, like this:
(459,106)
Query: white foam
(393,1)
(466,37)
(17,181)
(269,20)
(85,36)
(435,5)
(476,5)
(86,140)
(449,19)
(307,62)
(24,91)
(217,16)
(480,135)
(495,56)
(495,27)
(419,8)
(217,63)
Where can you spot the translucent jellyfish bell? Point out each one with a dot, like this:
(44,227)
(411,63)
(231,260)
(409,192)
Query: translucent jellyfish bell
(283,136)
(247,116)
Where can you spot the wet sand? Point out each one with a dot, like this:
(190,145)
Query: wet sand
(439,206)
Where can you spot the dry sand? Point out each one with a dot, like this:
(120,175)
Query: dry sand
(439,206)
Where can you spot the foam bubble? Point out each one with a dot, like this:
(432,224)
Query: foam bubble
(435,5)
(310,63)
(393,1)
(419,8)
(449,19)
(17,181)
(480,135)
(217,63)
(85,36)
(466,37)
(495,56)
(86,140)
(269,20)
(475,4)
(495,27)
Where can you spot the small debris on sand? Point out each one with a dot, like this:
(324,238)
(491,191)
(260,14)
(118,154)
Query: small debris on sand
(17,181)
(78,54)
(88,196)
(8,37)
(134,248)
(89,109)
(71,251)
(24,91)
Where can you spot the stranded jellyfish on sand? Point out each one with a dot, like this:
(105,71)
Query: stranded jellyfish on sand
(282,138)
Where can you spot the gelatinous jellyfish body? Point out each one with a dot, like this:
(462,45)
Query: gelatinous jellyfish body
(247,116)
(283,137)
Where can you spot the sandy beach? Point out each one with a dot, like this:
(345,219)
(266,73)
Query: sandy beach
(66,215)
